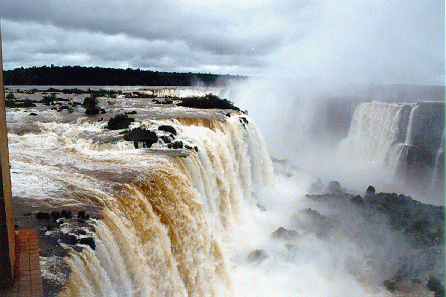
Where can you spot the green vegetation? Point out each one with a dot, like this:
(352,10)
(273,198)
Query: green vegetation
(47,100)
(176,145)
(10,96)
(422,223)
(120,121)
(141,134)
(97,76)
(208,101)
(55,215)
(25,103)
(91,106)
(43,215)
(167,128)
(81,215)
(19,103)
(66,214)
(10,103)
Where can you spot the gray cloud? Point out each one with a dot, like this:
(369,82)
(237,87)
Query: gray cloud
(369,40)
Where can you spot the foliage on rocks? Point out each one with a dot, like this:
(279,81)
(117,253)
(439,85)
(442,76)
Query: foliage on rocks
(120,121)
(141,134)
(167,128)
(207,102)
(91,106)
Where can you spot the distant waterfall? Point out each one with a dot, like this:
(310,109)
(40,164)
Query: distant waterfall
(404,139)
(157,234)
(375,128)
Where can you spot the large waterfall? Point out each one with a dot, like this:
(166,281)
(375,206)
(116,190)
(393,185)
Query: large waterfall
(157,234)
(214,216)
(403,141)
(160,214)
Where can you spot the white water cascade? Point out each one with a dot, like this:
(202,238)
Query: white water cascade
(398,142)
(159,231)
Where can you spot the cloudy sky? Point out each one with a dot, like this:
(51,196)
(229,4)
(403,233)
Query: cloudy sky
(388,41)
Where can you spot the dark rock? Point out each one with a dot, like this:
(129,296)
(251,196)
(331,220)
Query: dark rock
(55,215)
(67,239)
(261,207)
(166,139)
(257,256)
(88,241)
(390,285)
(312,221)
(434,285)
(285,234)
(334,187)
(66,214)
(357,200)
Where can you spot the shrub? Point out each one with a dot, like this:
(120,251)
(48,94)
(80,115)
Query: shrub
(10,103)
(49,99)
(141,135)
(390,285)
(168,128)
(82,215)
(370,190)
(66,214)
(10,96)
(91,106)
(55,215)
(120,121)
(207,101)
(26,103)
(357,200)
(43,216)
(176,145)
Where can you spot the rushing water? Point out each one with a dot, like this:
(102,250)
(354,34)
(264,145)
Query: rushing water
(193,222)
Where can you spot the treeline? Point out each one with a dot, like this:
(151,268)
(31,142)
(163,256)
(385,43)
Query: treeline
(98,76)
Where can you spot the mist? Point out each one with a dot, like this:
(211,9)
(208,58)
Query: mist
(354,52)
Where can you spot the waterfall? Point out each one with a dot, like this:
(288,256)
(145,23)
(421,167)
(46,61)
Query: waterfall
(410,126)
(401,141)
(158,235)
(374,130)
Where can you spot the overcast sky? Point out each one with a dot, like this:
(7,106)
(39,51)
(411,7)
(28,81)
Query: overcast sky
(377,40)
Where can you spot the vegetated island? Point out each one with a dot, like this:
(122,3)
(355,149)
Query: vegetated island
(98,76)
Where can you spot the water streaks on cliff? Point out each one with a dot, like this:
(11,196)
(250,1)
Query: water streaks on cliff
(159,215)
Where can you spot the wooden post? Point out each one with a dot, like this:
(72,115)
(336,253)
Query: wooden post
(7,226)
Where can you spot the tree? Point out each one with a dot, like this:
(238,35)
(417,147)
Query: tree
(91,106)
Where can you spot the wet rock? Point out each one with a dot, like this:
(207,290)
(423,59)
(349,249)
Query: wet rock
(434,285)
(285,234)
(257,256)
(357,200)
(67,239)
(88,241)
(334,187)
(312,221)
